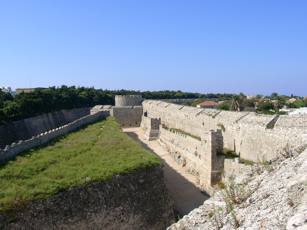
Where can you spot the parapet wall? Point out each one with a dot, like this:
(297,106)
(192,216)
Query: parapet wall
(254,137)
(11,151)
(232,167)
(25,129)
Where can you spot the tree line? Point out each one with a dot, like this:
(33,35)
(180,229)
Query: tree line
(45,100)
(262,104)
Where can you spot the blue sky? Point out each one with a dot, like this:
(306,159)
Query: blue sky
(250,46)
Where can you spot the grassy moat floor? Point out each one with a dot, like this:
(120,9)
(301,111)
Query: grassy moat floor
(94,153)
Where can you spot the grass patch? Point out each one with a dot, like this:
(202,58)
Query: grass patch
(94,153)
(173,130)
(221,126)
(229,154)
(246,162)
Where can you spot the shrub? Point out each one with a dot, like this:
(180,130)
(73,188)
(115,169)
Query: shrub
(234,194)
(224,106)
(296,104)
(265,106)
(229,154)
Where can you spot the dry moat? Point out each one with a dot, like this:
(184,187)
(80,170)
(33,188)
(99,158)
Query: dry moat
(95,178)
(151,165)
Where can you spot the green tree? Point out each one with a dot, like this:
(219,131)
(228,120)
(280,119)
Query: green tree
(4,97)
(274,96)
(265,107)
(224,106)
(237,102)
(297,104)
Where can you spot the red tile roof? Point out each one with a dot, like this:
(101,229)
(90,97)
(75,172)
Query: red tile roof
(208,104)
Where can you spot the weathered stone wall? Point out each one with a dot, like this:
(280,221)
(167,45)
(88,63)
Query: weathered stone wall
(25,129)
(232,167)
(186,150)
(128,100)
(11,151)
(180,101)
(295,121)
(151,127)
(138,200)
(99,108)
(254,137)
(128,116)
(199,156)
(273,198)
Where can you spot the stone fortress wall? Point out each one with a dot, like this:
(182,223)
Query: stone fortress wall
(196,137)
(27,128)
(128,110)
(151,127)
(198,156)
(254,137)
(128,100)
(12,150)
(128,116)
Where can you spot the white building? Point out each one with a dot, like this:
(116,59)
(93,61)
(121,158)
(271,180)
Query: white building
(6,89)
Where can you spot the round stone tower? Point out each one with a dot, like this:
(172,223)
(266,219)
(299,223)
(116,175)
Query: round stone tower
(128,100)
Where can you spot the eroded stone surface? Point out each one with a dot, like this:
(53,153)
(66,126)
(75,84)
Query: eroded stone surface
(279,201)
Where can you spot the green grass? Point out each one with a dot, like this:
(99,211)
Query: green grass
(220,125)
(228,153)
(173,130)
(246,162)
(94,153)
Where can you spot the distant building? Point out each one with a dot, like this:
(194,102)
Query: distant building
(305,98)
(249,97)
(208,105)
(26,90)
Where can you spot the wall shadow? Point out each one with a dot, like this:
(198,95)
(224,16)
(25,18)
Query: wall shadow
(186,196)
